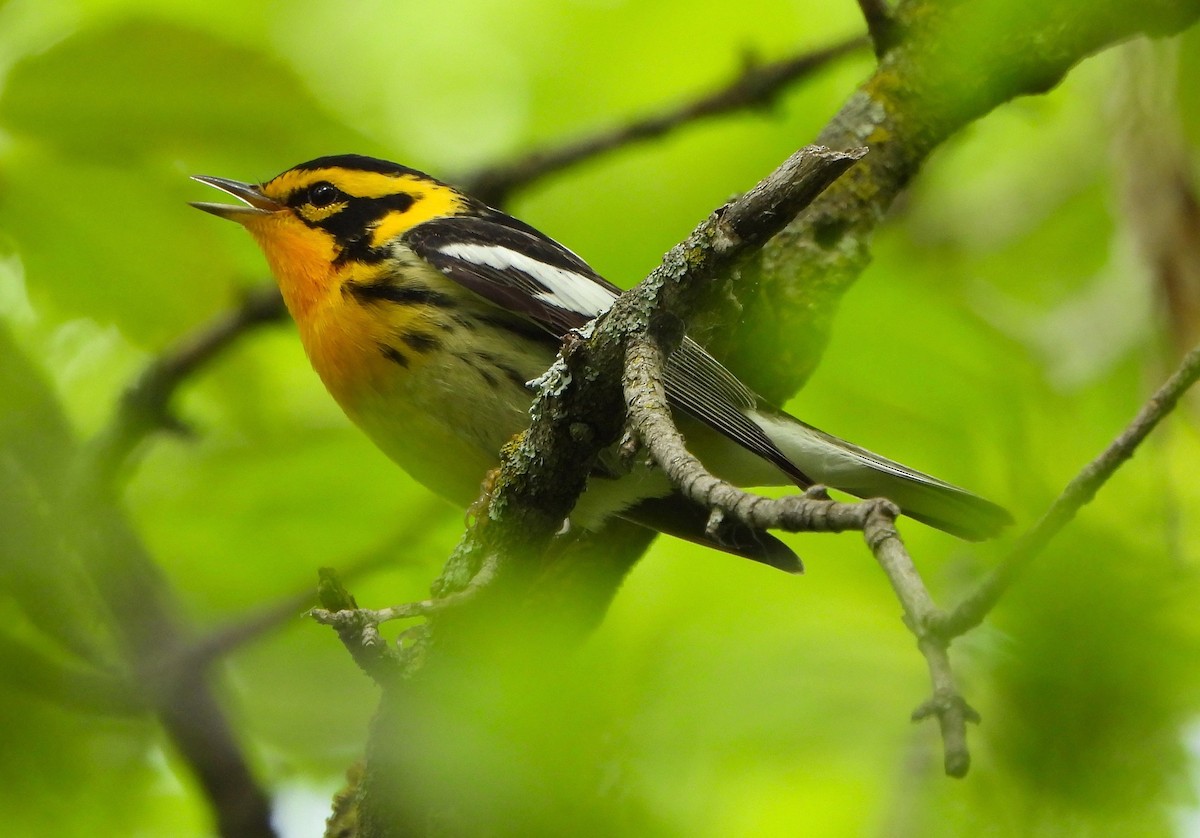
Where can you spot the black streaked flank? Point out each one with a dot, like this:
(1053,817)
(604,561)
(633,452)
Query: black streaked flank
(420,341)
(483,363)
(385,291)
(393,354)
(522,326)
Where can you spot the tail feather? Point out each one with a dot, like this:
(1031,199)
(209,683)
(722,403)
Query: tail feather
(676,515)
(849,468)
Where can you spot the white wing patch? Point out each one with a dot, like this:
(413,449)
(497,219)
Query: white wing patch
(564,288)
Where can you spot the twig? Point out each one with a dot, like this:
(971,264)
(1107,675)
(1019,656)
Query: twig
(920,615)
(238,631)
(349,612)
(971,611)
(650,418)
(881,25)
(358,628)
(145,405)
(756,86)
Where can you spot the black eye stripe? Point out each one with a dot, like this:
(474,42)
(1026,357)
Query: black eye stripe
(323,194)
(399,202)
(348,218)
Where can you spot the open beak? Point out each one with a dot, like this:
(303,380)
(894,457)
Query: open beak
(256,202)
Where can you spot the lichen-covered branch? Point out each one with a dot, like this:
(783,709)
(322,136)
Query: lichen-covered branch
(650,419)
(579,409)
(955,61)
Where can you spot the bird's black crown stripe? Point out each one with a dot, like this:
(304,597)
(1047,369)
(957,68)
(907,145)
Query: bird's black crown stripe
(359,163)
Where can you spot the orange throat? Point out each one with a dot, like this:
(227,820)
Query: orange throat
(300,259)
(338,335)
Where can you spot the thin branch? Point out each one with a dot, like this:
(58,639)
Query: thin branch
(881,25)
(145,405)
(239,631)
(358,628)
(758,85)
(971,611)
(650,418)
(920,614)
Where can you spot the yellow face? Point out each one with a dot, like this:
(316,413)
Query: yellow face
(331,222)
(319,222)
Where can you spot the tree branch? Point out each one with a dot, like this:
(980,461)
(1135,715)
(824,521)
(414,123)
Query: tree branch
(918,96)
(880,25)
(650,418)
(227,638)
(971,611)
(145,405)
(757,86)
(578,410)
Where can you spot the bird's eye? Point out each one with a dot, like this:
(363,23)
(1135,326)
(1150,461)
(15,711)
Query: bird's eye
(322,194)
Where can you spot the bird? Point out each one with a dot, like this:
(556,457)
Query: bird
(428,314)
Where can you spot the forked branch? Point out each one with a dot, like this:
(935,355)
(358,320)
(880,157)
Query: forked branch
(650,419)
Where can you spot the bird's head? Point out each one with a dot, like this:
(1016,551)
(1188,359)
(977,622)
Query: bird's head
(319,219)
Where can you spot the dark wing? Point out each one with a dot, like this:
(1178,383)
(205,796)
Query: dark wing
(515,267)
(698,383)
(522,271)
(678,516)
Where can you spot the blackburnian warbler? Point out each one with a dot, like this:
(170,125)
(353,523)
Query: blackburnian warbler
(426,313)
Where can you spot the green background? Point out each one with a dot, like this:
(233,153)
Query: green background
(1004,333)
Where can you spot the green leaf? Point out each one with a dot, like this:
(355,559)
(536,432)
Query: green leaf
(146,88)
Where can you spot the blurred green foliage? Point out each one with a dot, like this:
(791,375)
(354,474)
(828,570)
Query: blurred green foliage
(1003,335)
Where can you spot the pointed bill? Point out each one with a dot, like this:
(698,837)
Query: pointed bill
(256,202)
